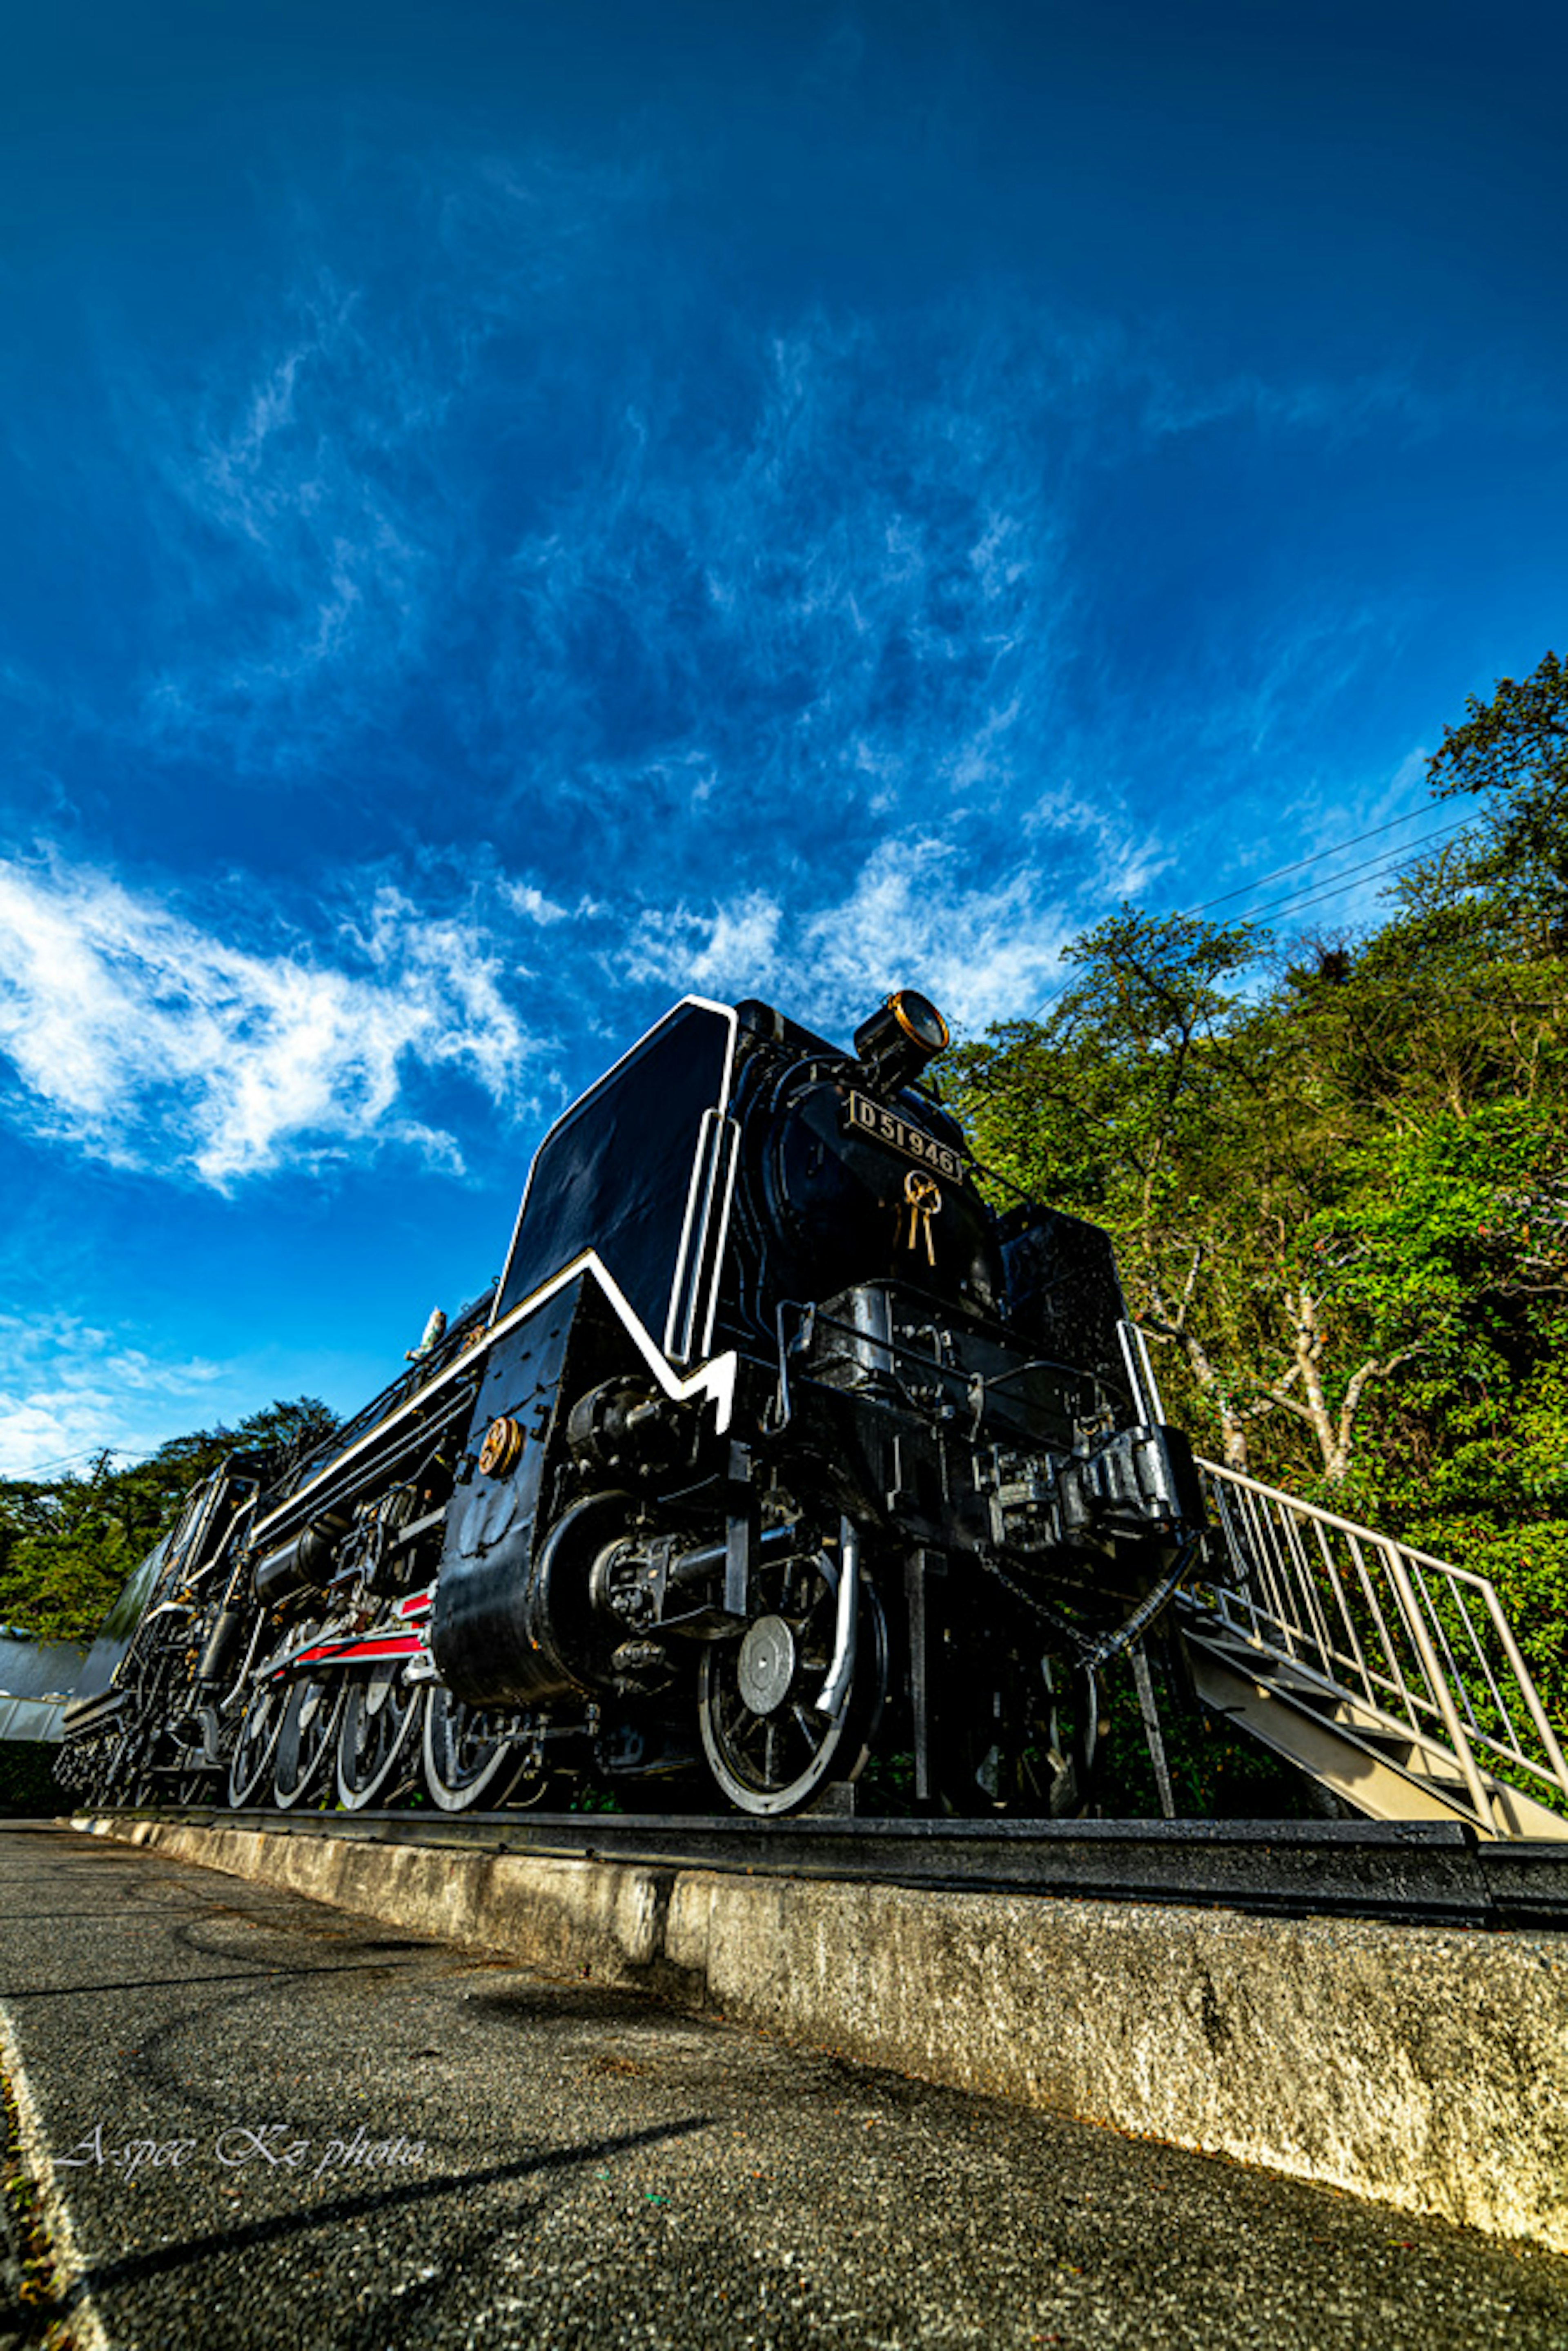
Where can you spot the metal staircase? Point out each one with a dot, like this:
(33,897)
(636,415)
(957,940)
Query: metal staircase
(1391,1677)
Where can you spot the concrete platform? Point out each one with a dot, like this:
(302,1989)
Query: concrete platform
(1426,2068)
(490,2155)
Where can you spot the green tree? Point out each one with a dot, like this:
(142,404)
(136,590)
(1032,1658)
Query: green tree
(1514,750)
(69,1544)
(1339,1187)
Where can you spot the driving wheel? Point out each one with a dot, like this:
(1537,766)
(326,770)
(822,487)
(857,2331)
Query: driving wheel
(379,1714)
(471,1755)
(250,1766)
(769,1744)
(304,1735)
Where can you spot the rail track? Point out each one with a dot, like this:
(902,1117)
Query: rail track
(1428,1872)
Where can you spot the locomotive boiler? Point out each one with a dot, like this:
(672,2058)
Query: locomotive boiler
(779,1459)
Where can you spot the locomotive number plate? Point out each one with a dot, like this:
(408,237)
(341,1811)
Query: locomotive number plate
(868,1117)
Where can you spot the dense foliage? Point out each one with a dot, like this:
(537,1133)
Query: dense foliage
(69,1544)
(1337,1175)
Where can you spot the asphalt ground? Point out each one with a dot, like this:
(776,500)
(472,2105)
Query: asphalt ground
(273,2123)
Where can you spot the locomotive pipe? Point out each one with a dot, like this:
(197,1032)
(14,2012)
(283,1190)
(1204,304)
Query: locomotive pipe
(307,1560)
(841,1672)
(1141,1380)
(232,1693)
(692,1566)
(223,1648)
(1142,1615)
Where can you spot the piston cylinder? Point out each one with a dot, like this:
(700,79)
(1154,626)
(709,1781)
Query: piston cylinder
(306,1561)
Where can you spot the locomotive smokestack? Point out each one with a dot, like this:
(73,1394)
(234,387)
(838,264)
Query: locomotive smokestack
(901,1036)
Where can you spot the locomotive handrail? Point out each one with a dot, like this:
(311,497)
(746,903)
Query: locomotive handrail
(1386,1628)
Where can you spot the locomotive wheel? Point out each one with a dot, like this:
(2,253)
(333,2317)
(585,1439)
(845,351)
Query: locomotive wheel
(141,1787)
(766,1744)
(251,1763)
(466,1761)
(305,1736)
(131,1775)
(127,1779)
(380,1713)
(118,1768)
(1016,1750)
(195,1786)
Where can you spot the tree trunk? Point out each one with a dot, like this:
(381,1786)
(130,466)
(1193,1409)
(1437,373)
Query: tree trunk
(1307,1337)
(1164,1324)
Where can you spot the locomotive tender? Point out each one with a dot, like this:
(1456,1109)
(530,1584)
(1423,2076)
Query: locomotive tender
(775,1449)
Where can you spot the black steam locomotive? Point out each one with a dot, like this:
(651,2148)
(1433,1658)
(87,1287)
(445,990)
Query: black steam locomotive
(776,1452)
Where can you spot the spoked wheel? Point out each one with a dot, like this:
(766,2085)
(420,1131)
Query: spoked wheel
(134,1781)
(141,1786)
(533,1790)
(380,1713)
(301,1759)
(766,1744)
(471,1756)
(250,1766)
(119,1768)
(125,1780)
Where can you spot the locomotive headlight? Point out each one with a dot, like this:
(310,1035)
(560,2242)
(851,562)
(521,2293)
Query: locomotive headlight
(899,1038)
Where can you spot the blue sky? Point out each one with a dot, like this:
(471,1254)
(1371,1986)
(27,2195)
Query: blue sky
(516,510)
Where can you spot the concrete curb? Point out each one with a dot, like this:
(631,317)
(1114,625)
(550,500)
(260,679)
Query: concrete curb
(1424,2066)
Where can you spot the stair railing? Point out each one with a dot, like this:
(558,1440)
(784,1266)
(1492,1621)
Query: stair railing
(1366,1617)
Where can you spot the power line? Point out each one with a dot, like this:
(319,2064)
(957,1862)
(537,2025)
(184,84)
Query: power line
(42,1469)
(1316,858)
(1346,880)
(1314,895)
(121,1453)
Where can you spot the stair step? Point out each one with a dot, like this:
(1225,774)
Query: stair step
(1230,1649)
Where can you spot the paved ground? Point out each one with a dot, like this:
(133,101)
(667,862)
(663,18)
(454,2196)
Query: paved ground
(561,2166)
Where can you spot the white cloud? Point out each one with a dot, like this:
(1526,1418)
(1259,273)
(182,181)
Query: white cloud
(985,947)
(152,1041)
(726,950)
(71,1387)
(523,899)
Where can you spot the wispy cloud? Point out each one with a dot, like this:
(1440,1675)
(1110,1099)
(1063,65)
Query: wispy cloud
(836,580)
(319,493)
(149,1040)
(983,945)
(784,646)
(71,1386)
